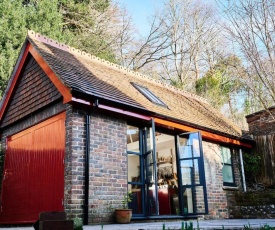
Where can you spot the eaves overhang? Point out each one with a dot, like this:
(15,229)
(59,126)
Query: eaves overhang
(161,120)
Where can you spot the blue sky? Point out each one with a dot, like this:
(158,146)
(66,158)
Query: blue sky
(140,10)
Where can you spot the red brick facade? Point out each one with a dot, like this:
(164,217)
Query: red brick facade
(218,204)
(108,165)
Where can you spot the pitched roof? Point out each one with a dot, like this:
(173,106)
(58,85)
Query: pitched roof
(92,77)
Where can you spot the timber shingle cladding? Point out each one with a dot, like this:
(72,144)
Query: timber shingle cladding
(34,91)
(96,78)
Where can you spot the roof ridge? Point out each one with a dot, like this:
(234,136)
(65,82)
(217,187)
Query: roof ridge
(56,44)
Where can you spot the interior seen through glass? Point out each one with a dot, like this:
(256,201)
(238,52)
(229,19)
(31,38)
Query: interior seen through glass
(166,171)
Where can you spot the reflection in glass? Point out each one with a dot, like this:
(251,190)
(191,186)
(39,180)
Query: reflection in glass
(188,201)
(133,168)
(189,146)
(133,139)
(149,139)
(190,172)
(151,200)
(200,202)
(227,174)
(136,203)
(227,170)
(226,155)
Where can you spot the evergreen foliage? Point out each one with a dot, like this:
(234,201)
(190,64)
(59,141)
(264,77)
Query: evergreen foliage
(220,82)
(69,21)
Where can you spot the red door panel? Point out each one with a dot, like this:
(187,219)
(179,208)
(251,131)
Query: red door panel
(34,172)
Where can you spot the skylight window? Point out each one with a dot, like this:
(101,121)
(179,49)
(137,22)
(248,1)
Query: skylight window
(149,95)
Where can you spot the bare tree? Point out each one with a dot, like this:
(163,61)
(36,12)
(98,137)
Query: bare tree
(180,46)
(252,27)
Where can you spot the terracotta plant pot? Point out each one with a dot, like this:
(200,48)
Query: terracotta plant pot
(123,216)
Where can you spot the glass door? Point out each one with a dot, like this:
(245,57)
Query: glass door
(142,170)
(192,178)
(151,194)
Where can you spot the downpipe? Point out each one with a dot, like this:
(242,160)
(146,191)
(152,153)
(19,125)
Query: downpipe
(87,165)
(242,170)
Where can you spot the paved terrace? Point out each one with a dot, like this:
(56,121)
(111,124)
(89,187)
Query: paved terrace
(203,224)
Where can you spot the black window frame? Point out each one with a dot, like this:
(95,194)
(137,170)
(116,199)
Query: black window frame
(149,95)
(228,184)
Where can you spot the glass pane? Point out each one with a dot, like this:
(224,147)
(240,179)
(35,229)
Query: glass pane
(226,155)
(185,151)
(149,140)
(227,174)
(136,203)
(151,202)
(189,145)
(195,144)
(200,202)
(174,201)
(132,139)
(196,172)
(150,159)
(150,174)
(133,168)
(190,172)
(188,201)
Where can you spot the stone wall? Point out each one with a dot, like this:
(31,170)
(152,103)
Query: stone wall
(252,204)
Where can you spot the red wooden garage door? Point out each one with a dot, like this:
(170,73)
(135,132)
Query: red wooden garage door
(34,172)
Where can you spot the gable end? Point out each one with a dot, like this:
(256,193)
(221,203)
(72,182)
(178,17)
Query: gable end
(34,90)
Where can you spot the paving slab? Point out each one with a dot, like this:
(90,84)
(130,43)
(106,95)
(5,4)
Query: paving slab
(175,225)
(200,224)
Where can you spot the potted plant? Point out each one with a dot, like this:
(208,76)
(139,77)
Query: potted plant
(124,214)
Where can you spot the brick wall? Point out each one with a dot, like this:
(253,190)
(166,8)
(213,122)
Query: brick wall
(108,165)
(217,194)
(74,163)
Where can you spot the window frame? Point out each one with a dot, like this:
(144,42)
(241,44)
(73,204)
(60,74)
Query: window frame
(231,164)
(149,95)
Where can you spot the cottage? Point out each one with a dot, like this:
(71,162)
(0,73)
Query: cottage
(77,132)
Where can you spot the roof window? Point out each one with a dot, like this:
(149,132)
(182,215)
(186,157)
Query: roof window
(149,95)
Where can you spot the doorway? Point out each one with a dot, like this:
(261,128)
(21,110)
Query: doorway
(165,180)
(33,178)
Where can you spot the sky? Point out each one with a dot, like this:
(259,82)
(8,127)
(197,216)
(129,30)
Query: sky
(139,10)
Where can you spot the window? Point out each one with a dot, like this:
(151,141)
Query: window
(227,169)
(149,95)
